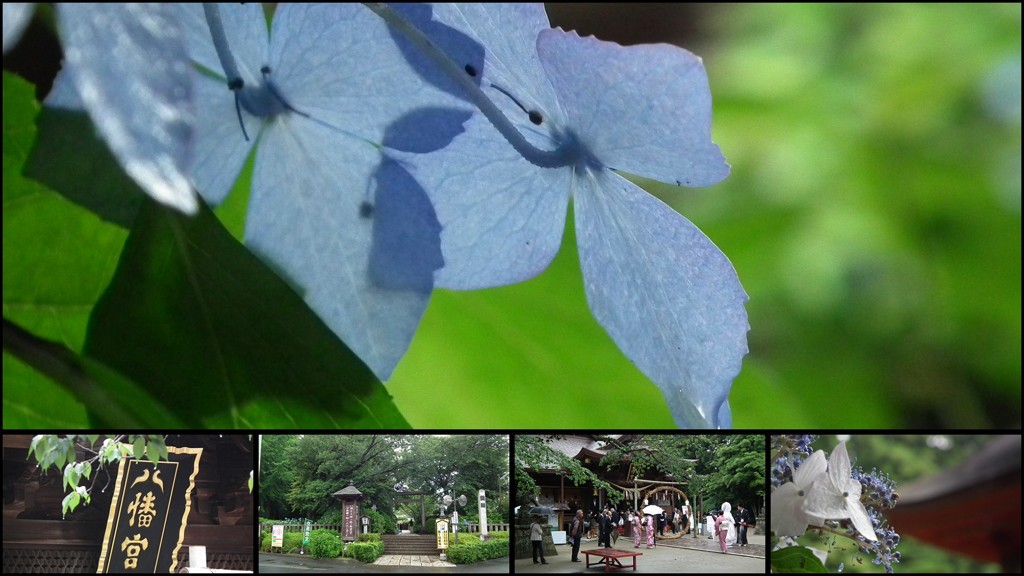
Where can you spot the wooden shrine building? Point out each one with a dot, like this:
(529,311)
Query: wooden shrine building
(219,515)
(564,498)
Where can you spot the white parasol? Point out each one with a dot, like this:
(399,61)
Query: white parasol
(652,509)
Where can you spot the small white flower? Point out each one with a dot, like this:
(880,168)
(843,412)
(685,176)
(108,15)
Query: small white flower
(837,495)
(789,501)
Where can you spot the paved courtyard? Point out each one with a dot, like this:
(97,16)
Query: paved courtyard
(419,561)
(685,554)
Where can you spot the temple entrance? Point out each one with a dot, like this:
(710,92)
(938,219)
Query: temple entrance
(411,497)
(670,499)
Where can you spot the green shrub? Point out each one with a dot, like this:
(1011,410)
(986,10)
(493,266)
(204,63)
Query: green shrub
(265,542)
(382,524)
(325,544)
(292,541)
(365,551)
(369,537)
(473,550)
(502,535)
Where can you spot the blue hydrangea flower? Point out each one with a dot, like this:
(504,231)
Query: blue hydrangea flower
(322,99)
(668,297)
(126,65)
(327,94)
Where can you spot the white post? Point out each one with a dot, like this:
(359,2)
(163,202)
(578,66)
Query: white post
(482,508)
(197,556)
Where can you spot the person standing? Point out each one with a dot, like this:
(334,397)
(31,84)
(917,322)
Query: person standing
(650,530)
(602,535)
(729,523)
(743,521)
(537,540)
(709,523)
(609,528)
(616,519)
(720,529)
(638,528)
(576,534)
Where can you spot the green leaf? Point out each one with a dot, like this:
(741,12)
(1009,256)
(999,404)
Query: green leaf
(162,447)
(139,447)
(250,481)
(219,338)
(796,559)
(38,446)
(70,157)
(68,471)
(153,453)
(57,258)
(60,455)
(110,397)
(87,469)
(69,448)
(70,502)
(110,454)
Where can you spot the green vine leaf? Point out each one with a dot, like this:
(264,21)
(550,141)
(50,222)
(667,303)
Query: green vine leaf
(796,559)
(223,341)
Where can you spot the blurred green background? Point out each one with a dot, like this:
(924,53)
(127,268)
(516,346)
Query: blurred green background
(872,213)
(906,458)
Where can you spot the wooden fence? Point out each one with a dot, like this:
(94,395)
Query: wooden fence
(337,527)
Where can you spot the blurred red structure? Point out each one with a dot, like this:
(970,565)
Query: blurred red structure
(973,509)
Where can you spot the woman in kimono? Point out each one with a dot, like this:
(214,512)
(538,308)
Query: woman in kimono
(650,530)
(720,529)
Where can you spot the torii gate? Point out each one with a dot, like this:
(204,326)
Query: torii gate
(413,497)
(657,489)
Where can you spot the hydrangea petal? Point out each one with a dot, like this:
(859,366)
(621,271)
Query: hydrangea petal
(667,296)
(789,517)
(502,219)
(358,81)
(837,495)
(643,109)
(245,26)
(129,65)
(17,15)
(508,32)
(304,217)
(220,147)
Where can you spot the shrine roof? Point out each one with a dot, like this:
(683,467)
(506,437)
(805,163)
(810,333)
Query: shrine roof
(349,490)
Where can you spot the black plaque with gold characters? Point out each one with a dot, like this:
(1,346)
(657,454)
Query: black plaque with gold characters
(149,512)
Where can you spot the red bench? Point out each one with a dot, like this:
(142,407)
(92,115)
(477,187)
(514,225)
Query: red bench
(610,558)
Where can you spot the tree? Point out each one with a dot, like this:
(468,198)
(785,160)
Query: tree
(459,464)
(716,468)
(323,465)
(739,462)
(276,476)
(533,453)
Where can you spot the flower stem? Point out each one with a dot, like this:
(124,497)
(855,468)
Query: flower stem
(220,42)
(565,155)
